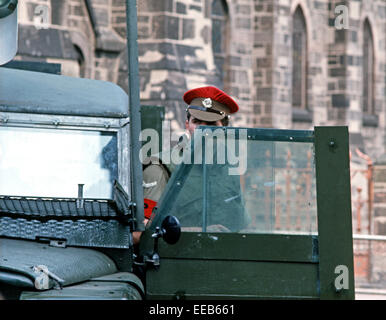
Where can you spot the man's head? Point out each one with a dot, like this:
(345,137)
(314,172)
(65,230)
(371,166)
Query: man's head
(191,123)
(208,106)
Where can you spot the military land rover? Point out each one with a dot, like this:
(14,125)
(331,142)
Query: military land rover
(69,203)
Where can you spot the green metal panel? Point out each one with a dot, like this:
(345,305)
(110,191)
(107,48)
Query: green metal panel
(127,277)
(116,286)
(151,118)
(255,247)
(226,265)
(90,290)
(220,279)
(334,210)
(17,280)
(279,135)
(70,264)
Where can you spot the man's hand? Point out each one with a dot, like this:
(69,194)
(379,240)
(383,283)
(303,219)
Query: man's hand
(211,228)
(217,228)
(137,234)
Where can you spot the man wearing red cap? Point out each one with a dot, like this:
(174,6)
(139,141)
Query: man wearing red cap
(206,106)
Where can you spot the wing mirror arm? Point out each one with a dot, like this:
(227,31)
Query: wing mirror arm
(170,232)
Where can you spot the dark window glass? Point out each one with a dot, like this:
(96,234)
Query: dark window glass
(299,60)
(368,70)
(219,20)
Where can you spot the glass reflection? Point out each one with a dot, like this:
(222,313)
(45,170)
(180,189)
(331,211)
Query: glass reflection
(52,162)
(279,187)
(276,194)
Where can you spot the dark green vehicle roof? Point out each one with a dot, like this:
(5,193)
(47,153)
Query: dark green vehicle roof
(35,92)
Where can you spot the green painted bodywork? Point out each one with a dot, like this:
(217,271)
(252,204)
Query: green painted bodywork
(42,93)
(152,118)
(88,274)
(117,286)
(334,209)
(240,265)
(205,265)
(73,265)
(84,273)
(91,290)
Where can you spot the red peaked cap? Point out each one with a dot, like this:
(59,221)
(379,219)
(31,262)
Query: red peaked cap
(213,93)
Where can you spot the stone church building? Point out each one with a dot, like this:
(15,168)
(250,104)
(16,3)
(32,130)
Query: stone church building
(290,64)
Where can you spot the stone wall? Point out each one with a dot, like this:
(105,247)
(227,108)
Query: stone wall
(181,45)
(78,34)
(241,46)
(175,53)
(372,130)
(380,198)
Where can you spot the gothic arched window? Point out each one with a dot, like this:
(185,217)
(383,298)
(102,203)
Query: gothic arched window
(299,60)
(81,62)
(368,70)
(59,12)
(219,16)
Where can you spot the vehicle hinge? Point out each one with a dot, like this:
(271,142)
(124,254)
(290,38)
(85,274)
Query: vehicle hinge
(132,221)
(152,261)
(43,276)
(52,242)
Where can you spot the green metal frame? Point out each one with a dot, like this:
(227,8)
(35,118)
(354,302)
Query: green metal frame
(334,209)
(135,113)
(264,266)
(222,265)
(152,118)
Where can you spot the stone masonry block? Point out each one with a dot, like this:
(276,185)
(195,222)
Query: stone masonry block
(380,225)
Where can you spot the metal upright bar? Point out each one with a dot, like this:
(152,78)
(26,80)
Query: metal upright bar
(135,113)
(288,189)
(204,187)
(332,168)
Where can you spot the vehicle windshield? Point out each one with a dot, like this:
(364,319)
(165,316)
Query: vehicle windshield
(52,162)
(266,184)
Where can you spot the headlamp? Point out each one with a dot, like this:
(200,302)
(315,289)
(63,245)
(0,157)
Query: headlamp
(8,30)
(7,7)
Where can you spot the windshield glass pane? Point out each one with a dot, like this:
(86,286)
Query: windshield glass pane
(279,188)
(52,162)
(262,187)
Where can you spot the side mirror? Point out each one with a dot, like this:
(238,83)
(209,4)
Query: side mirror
(170,230)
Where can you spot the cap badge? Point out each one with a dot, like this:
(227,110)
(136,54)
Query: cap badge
(207,103)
